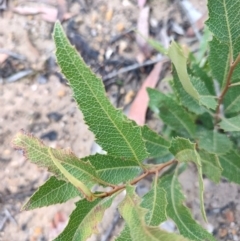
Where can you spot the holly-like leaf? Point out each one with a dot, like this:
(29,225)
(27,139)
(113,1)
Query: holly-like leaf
(133,215)
(185,151)
(114,170)
(230,163)
(214,142)
(155,202)
(114,132)
(230,124)
(84,219)
(125,234)
(171,112)
(179,213)
(156,145)
(53,191)
(211,166)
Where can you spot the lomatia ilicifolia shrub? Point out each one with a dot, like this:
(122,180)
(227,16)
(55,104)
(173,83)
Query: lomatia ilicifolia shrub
(201,125)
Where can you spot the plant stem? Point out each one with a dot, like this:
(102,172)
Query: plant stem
(228,84)
(154,170)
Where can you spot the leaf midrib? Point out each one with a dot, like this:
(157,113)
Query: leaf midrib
(93,94)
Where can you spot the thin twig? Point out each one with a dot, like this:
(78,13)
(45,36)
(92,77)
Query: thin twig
(228,84)
(154,170)
(133,67)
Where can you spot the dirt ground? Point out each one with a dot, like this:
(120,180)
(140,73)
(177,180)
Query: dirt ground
(35,97)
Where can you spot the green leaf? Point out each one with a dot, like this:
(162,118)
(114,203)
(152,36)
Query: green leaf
(179,60)
(230,163)
(114,132)
(219,60)
(77,172)
(36,152)
(205,97)
(231,124)
(223,21)
(156,145)
(156,45)
(171,112)
(231,101)
(214,142)
(125,235)
(179,213)
(155,202)
(186,100)
(211,166)
(53,191)
(133,215)
(114,170)
(84,219)
(185,151)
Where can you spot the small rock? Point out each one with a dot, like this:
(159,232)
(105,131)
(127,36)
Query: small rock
(223,232)
(61,93)
(120,27)
(109,15)
(51,136)
(42,79)
(54,116)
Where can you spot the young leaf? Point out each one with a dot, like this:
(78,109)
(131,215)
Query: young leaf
(230,163)
(231,124)
(171,112)
(133,215)
(84,219)
(114,132)
(114,170)
(185,151)
(77,172)
(179,60)
(211,166)
(179,213)
(36,152)
(53,191)
(156,145)
(214,142)
(125,234)
(155,202)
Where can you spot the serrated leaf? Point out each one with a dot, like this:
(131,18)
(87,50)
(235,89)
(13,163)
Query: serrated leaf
(114,132)
(36,152)
(84,219)
(205,97)
(156,145)
(53,191)
(223,21)
(185,151)
(186,100)
(230,163)
(155,202)
(171,112)
(230,124)
(179,213)
(78,173)
(133,215)
(225,45)
(231,101)
(211,166)
(214,142)
(125,234)
(219,60)
(179,60)
(114,170)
